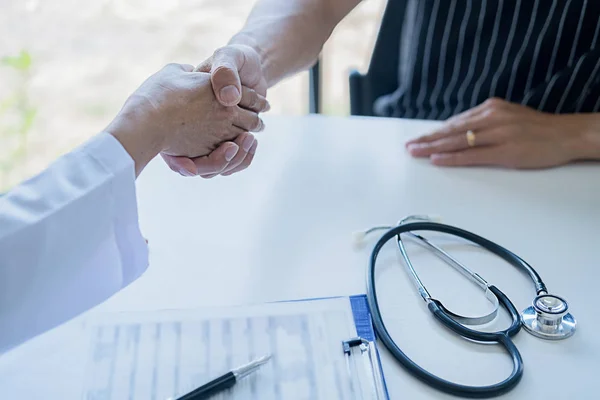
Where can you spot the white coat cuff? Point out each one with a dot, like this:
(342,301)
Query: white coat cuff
(112,156)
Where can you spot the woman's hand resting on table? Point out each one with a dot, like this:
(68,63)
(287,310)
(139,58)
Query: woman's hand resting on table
(510,135)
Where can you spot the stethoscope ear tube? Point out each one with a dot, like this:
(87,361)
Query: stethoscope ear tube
(441,315)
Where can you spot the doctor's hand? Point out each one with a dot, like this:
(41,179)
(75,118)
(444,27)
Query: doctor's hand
(509,135)
(237,80)
(175,112)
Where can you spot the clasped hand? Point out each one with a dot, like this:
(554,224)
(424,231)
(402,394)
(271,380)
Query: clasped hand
(175,113)
(237,81)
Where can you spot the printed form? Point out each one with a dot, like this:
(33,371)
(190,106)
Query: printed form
(158,355)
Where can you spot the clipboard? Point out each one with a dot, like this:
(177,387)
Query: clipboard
(322,348)
(361,353)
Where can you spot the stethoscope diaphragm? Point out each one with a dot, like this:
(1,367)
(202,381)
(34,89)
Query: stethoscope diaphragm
(549,318)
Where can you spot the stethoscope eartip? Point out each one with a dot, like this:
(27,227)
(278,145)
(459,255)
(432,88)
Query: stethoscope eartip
(549,318)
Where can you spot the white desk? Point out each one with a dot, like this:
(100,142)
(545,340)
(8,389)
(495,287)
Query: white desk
(282,230)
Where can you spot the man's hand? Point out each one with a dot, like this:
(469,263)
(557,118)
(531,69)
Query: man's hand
(175,112)
(232,66)
(237,80)
(508,135)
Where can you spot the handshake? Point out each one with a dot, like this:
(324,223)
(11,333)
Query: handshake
(199,119)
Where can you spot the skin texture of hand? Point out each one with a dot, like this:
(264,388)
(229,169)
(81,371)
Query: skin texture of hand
(175,112)
(510,135)
(237,80)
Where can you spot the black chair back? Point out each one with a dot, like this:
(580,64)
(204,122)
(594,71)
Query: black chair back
(382,75)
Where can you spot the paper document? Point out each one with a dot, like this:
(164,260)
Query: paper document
(157,355)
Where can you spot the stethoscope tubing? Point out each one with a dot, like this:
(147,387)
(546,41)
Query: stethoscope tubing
(441,314)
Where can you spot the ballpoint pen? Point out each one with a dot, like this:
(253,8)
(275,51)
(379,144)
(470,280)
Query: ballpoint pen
(224,381)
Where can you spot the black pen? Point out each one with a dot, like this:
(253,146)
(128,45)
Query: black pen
(225,381)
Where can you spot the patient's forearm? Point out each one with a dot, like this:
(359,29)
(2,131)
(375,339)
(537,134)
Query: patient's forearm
(289,34)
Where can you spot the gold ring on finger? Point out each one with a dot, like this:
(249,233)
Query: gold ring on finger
(471,138)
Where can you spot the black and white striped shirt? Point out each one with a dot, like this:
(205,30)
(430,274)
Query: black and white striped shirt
(455,54)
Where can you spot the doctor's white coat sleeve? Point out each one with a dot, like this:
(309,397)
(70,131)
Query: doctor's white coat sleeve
(69,239)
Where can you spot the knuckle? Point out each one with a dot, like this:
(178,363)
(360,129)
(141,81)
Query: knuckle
(225,53)
(450,127)
(491,101)
(204,66)
(223,50)
(494,102)
(222,66)
(219,54)
(492,113)
(173,66)
(227,113)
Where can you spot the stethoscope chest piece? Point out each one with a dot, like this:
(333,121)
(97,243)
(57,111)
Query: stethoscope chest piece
(549,318)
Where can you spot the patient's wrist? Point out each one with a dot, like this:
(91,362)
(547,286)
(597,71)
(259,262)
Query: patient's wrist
(586,139)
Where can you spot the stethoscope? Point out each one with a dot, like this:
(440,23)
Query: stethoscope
(547,317)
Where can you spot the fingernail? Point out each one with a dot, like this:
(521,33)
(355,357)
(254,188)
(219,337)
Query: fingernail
(248,142)
(268,107)
(230,94)
(231,152)
(185,172)
(252,149)
(261,125)
(414,146)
